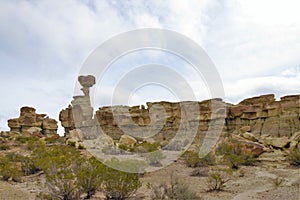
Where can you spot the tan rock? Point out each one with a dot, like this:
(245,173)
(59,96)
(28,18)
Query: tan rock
(127,141)
(249,136)
(249,147)
(295,137)
(277,142)
(245,129)
(293,145)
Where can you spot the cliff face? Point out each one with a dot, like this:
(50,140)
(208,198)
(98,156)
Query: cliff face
(266,116)
(262,114)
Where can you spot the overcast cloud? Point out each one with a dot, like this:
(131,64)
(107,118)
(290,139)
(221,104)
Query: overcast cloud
(254,44)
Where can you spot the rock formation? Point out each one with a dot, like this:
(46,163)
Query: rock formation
(31,122)
(262,116)
(80,113)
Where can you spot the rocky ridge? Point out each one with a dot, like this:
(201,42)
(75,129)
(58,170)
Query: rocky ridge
(263,115)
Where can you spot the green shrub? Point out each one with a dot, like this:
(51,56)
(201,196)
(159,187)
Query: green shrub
(234,155)
(175,190)
(4,147)
(60,164)
(28,166)
(9,169)
(131,166)
(200,171)
(193,160)
(23,139)
(90,176)
(119,185)
(217,180)
(72,144)
(294,157)
(154,158)
(121,181)
(50,140)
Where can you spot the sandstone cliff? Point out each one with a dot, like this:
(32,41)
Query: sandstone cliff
(263,114)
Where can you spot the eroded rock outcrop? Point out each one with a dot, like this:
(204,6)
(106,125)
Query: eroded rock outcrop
(32,123)
(252,118)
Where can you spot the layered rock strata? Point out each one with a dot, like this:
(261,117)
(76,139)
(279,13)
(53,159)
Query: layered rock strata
(30,121)
(263,115)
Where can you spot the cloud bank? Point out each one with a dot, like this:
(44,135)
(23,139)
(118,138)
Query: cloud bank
(255,45)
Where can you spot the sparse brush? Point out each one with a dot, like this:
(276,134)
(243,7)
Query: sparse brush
(233,154)
(175,190)
(278,181)
(192,159)
(200,171)
(294,157)
(217,180)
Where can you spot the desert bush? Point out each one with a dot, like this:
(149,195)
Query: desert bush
(90,176)
(192,159)
(28,166)
(4,147)
(23,139)
(72,144)
(60,165)
(9,169)
(217,180)
(31,144)
(200,171)
(175,190)
(51,140)
(119,185)
(233,154)
(154,158)
(294,157)
(278,181)
(131,166)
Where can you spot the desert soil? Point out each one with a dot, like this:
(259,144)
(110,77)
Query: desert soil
(247,183)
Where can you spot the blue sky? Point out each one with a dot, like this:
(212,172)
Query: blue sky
(254,44)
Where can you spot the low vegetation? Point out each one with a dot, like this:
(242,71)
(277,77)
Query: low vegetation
(234,155)
(217,180)
(294,157)
(174,190)
(192,159)
(69,175)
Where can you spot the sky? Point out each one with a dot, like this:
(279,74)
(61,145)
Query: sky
(254,45)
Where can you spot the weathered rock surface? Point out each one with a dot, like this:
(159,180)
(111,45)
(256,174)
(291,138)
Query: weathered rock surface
(280,142)
(251,118)
(32,123)
(127,141)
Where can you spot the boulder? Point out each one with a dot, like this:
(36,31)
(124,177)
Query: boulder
(75,136)
(127,141)
(249,136)
(293,145)
(247,146)
(103,142)
(277,142)
(295,137)
(245,129)
(33,131)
